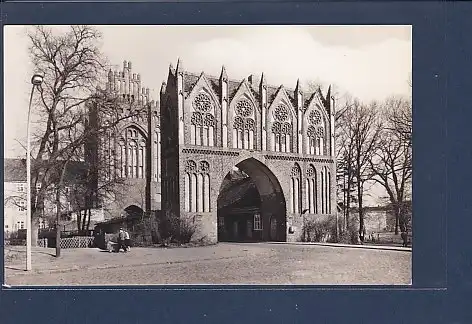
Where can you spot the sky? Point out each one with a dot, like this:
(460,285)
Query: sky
(369,62)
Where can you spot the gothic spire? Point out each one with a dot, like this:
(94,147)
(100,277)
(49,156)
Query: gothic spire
(223,75)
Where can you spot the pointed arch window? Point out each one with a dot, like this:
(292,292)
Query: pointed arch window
(203,122)
(107,154)
(157,159)
(244,125)
(197,186)
(295,189)
(281,130)
(325,190)
(132,154)
(315,133)
(311,185)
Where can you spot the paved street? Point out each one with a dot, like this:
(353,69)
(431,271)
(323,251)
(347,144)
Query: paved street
(225,263)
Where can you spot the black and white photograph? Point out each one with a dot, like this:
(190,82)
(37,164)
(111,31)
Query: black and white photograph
(207,155)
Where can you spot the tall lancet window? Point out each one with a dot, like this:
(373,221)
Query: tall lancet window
(315,133)
(326,190)
(157,153)
(244,125)
(132,154)
(141,160)
(295,192)
(108,154)
(203,123)
(281,130)
(197,186)
(311,184)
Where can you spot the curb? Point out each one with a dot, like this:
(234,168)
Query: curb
(116,266)
(351,246)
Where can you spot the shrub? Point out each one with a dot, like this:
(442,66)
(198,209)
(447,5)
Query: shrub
(319,230)
(177,230)
(350,235)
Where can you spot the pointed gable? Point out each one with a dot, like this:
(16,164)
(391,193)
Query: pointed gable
(281,95)
(232,88)
(204,83)
(190,80)
(315,99)
(245,89)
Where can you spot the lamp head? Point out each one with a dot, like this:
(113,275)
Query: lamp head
(37,79)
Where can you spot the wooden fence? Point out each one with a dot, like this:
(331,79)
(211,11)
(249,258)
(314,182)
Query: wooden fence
(66,242)
(76,242)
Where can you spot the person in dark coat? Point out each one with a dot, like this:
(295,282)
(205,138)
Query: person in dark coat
(404,237)
(121,240)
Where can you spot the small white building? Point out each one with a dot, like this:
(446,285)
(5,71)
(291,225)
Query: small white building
(14,196)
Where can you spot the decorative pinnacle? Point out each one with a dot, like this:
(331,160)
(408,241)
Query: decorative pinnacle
(223,75)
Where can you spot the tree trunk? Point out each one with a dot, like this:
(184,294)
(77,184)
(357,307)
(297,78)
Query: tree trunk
(58,222)
(361,210)
(79,219)
(396,221)
(88,219)
(84,219)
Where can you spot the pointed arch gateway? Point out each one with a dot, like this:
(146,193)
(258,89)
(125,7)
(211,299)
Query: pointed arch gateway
(264,219)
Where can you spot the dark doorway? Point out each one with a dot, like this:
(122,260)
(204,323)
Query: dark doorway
(134,211)
(251,205)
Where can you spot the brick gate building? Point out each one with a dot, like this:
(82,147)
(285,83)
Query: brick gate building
(175,154)
(282,139)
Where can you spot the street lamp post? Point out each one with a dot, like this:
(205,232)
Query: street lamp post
(333,154)
(36,81)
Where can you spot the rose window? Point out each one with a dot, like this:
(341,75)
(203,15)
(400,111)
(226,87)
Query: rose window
(276,127)
(190,166)
(202,102)
(238,123)
(244,108)
(249,124)
(286,128)
(310,172)
(281,113)
(315,117)
(204,166)
(295,172)
(311,132)
(209,120)
(197,118)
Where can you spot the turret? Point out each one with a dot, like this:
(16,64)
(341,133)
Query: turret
(263,93)
(223,75)
(299,104)
(224,104)
(180,66)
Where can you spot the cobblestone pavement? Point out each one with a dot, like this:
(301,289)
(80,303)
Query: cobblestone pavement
(225,263)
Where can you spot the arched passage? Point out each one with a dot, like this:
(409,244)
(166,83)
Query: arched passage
(251,204)
(134,211)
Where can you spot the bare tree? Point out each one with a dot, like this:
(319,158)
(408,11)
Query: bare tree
(72,65)
(391,164)
(358,131)
(73,68)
